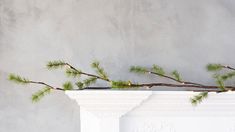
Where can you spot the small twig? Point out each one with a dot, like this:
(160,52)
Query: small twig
(87,74)
(232,88)
(171,78)
(228,67)
(45,84)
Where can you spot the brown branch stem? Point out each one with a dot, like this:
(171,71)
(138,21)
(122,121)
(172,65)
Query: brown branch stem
(87,74)
(171,78)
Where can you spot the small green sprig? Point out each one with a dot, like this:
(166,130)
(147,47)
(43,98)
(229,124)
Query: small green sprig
(18,79)
(176,75)
(79,84)
(99,70)
(159,70)
(227,76)
(73,73)
(91,80)
(214,67)
(68,86)
(195,100)
(40,94)
(121,84)
(138,69)
(55,64)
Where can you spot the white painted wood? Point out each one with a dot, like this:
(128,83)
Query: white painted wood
(101,110)
(154,111)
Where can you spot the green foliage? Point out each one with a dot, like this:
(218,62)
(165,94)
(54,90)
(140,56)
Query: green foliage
(157,69)
(18,79)
(138,69)
(99,70)
(55,64)
(121,84)
(214,67)
(220,83)
(198,98)
(40,94)
(176,75)
(80,85)
(73,73)
(227,76)
(67,86)
(87,82)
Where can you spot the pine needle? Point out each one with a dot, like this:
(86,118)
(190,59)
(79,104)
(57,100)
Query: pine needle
(55,64)
(121,84)
(198,98)
(99,70)
(138,69)
(157,69)
(18,79)
(68,86)
(176,75)
(80,85)
(214,67)
(40,94)
(73,73)
(87,82)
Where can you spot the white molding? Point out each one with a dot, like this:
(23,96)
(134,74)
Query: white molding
(105,107)
(102,109)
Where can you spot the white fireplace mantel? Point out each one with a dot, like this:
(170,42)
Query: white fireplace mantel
(101,110)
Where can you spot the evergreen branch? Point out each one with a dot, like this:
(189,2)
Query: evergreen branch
(202,87)
(122,84)
(99,70)
(220,83)
(40,94)
(68,86)
(138,69)
(176,75)
(227,76)
(214,67)
(55,64)
(73,73)
(87,74)
(198,98)
(218,67)
(18,79)
(157,69)
(80,85)
(87,82)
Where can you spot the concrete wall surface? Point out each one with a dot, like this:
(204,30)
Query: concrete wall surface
(179,34)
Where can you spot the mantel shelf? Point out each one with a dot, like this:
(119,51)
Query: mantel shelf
(103,108)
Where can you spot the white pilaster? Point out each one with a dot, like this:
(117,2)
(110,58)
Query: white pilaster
(100,110)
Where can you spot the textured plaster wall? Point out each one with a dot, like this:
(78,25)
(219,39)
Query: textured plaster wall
(178,34)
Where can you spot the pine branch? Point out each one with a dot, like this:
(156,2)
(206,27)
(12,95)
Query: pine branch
(198,98)
(218,67)
(40,94)
(80,85)
(87,82)
(214,67)
(176,75)
(159,70)
(227,76)
(55,64)
(68,86)
(18,79)
(138,69)
(122,84)
(99,70)
(156,70)
(73,73)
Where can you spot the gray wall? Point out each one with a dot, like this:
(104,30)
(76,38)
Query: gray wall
(178,34)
